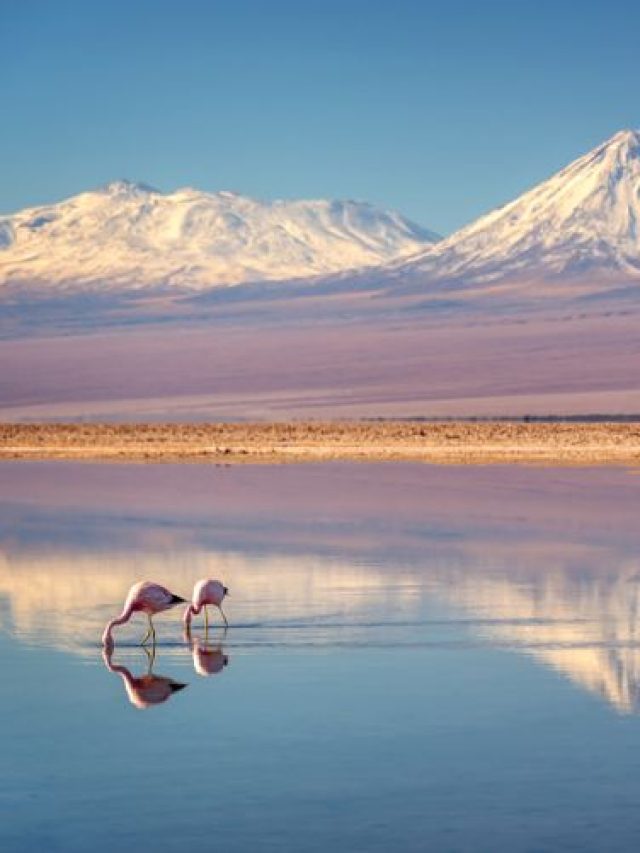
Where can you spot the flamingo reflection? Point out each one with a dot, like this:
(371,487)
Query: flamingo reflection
(145,690)
(208,658)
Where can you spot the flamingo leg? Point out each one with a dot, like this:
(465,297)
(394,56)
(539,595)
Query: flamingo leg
(223,616)
(206,618)
(151,632)
(151,656)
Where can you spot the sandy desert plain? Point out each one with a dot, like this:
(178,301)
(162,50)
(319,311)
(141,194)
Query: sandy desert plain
(441,443)
(329,390)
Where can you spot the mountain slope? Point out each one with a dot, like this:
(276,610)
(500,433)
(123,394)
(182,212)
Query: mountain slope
(129,236)
(582,223)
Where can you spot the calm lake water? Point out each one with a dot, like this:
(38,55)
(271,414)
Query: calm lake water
(419,658)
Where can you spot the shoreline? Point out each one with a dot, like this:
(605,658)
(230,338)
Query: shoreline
(430,442)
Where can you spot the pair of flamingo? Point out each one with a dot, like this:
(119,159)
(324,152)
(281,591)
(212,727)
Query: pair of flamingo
(152,598)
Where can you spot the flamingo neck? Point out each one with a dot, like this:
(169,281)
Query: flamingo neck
(119,669)
(192,610)
(107,638)
(126,676)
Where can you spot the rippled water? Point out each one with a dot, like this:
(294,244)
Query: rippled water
(418,658)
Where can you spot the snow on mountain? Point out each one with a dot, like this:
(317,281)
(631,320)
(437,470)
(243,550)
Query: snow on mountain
(130,236)
(581,224)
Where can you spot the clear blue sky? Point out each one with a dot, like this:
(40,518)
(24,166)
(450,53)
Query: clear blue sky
(441,110)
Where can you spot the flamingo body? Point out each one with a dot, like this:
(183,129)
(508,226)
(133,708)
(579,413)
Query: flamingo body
(143,597)
(206,591)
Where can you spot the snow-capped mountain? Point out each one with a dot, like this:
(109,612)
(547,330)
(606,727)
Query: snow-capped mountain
(581,224)
(580,228)
(130,236)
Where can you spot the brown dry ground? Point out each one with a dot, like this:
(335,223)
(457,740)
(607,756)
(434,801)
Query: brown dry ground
(416,441)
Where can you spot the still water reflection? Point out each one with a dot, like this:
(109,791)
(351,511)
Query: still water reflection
(420,656)
(147,689)
(209,658)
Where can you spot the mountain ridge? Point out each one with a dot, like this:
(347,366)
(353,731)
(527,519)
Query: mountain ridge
(131,236)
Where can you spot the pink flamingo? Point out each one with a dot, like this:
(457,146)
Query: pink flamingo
(206,591)
(143,597)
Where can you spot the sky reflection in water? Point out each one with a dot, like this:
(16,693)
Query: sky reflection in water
(416,657)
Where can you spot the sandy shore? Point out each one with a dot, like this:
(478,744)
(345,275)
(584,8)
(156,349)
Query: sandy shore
(438,443)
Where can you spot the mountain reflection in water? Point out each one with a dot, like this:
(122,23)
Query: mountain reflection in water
(460,565)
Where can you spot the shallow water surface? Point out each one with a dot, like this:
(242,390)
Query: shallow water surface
(418,659)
